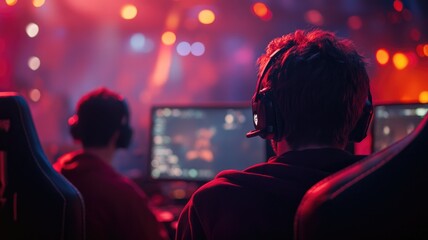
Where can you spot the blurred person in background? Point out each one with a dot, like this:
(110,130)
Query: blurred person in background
(116,208)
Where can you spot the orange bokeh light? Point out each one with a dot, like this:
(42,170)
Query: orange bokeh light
(425,50)
(128,12)
(262,11)
(38,3)
(168,38)
(400,61)
(423,97)
(382,56)
(35,95)
(11,2)
(206,16)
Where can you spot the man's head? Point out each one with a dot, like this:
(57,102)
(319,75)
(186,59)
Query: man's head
(100,115)
(319,86)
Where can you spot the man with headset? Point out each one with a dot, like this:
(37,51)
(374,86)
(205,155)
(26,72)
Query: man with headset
(312,97)
(115,207)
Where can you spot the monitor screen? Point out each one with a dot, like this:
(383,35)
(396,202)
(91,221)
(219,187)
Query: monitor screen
(393,122)
(196,142)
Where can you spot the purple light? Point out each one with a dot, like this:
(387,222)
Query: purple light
(197,49)
(183,48)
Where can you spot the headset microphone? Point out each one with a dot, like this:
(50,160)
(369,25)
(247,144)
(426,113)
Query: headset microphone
(253,133)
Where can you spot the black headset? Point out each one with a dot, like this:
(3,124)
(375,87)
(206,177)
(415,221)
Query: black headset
(267,120)
(125,130)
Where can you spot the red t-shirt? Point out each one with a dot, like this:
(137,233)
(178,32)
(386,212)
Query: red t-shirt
(116,208)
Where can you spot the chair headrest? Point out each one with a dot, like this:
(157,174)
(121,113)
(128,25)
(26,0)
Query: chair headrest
(17,130)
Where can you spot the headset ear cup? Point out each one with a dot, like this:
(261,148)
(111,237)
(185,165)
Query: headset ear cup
(265,113)
(258,112)
(360,130)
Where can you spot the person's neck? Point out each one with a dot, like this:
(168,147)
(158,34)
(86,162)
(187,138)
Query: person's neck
(104,153)
(283,147)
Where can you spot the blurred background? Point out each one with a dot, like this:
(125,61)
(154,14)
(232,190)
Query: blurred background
(188,52)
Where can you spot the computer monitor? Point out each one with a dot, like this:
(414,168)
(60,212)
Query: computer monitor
(194,143)
(393,122)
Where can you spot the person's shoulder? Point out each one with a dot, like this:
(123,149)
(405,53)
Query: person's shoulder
(227,181)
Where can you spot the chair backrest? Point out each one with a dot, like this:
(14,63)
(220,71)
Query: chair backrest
(381,197)
(35,201)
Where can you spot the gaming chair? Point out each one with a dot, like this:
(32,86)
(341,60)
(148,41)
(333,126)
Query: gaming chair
(381,197)
(35,201)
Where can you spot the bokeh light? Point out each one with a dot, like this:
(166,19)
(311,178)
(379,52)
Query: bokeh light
(32,30)
(423,97)
(400,61)
(11,2)
(197,49)
(137,42)
(420,50)
(314,17)
(355,22)
(206,16)
(38,3)
(398,5)
(140,43)
(183,48)
(382,56)
(262,11)
(35,95)
(128,12)
(425,49)
(34,63)
(168,38)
